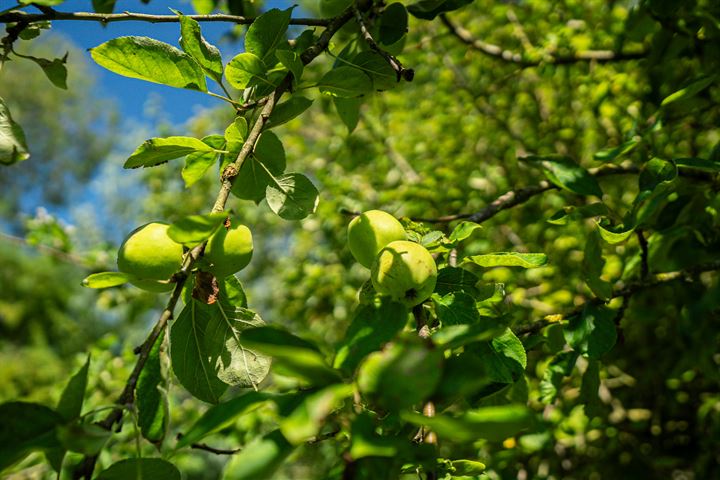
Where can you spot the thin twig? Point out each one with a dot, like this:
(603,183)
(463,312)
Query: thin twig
(625,291)
(54,252)
(51,14)
(216,451)
(644,268)
(405,73)
(500,53)
(127,396)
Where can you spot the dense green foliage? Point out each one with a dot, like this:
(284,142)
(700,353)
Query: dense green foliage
(560,161)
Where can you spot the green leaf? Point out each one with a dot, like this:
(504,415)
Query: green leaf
(589,388)
(292,196)
(393,23)
(656,171)
(260,458)
(267,32)
(287,110)
(572,213)
(13,148)
(103,6)
(26,427)
(204,53)
(348,110)
(592,268)
(291,60)
(463,231)
(429,9)
(257,171)
(456,308)
(490,423)
(244,70)
(345,82)
(560,366)
(140,469)
(106,279)
(235,134)
(71,400)
(222,415)
(207,353)
(196,164)
(592,332)
(367,443)
(610,154)
(308,418)
(85,438)
(194,229)
(508,259)
(204,7)
(150,60)
(292,355)
(373,64)
(333,8)
(54,69)
(371,328)
(159,150)
(699,163)
(454,279)
(616,234)
(455,336)
(692,89)
(565,173)
(44,3)
(403,374)
(151,396)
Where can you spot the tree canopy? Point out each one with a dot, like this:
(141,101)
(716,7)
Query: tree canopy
(558,160)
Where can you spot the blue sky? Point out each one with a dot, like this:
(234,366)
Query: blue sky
(131,94)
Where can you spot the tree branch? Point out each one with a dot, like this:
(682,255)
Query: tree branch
(51,14)
(500,53)
(127,397)
(406,73)
(621,291)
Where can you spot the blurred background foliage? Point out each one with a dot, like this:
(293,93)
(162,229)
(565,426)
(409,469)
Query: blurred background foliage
(447,143)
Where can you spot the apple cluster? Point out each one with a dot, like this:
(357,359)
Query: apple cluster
(151,257)
(400,269)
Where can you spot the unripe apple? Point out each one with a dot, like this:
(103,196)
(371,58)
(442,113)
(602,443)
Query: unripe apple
(405,271)
(403,374)
(150,255)
(369,232)
(229,250)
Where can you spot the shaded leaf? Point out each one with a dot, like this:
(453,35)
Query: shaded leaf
(55,69)
(429,9)
(292,196)
(348,110)
(195,229)
(692,89)
(571,213)
(260,458)
(291,60)
(308,418)
(565,173)
(345,82)
(333,8)
(393,23)
(560,366)
(150,60)
(490,423)
(85,438)
(71,400)
(267,32)
(455,279)
(292,355)
(287,110)
(26,427)
(592,332)
(221,415)
(151,396)
(592,267)
(373,64)
(615,234)
(456,308)
(371,328)
(140,469)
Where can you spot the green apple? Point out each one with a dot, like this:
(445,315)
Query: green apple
(369,232)
(403,374)
(405,271)
(229,250)
(149,254)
